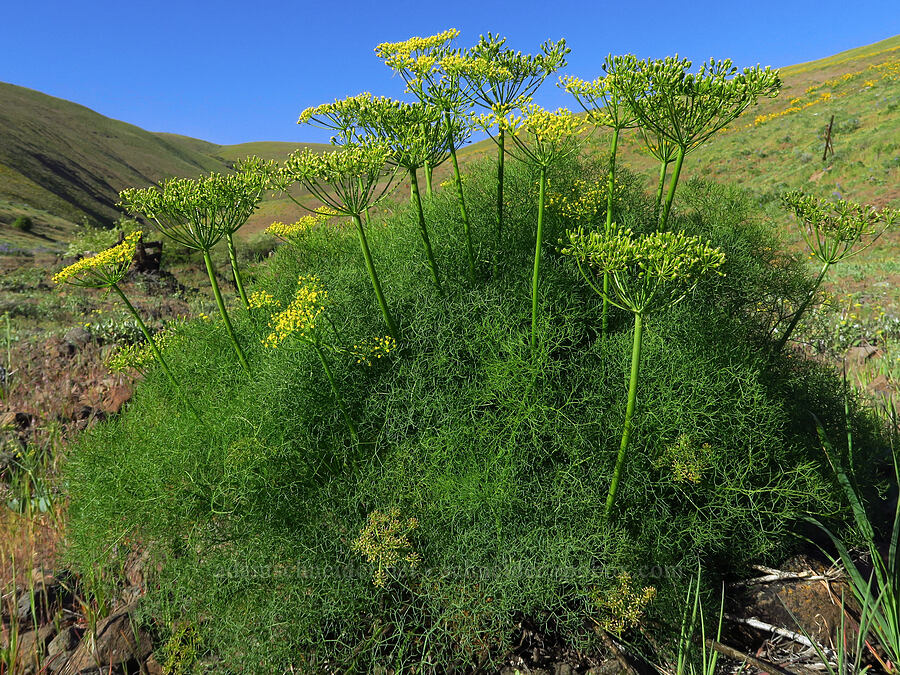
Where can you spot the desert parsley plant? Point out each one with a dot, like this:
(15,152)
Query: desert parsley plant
(540,138)
(688,109)
(419,61)
(501,80)
(106,270)
(198,213)
(416,136)
(833,231)
(348,180)
(604,102)
(647,274)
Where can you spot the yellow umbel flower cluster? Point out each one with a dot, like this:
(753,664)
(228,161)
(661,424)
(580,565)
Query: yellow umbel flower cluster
(586,200)
(298,320)
(476,69)
(384,542)
(295,232)
(139,356)
(686,459)
(623,607)
(417,53)
(373,349)
(260,299)
(103,270)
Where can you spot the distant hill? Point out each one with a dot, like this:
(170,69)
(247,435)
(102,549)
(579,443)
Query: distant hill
(61,162)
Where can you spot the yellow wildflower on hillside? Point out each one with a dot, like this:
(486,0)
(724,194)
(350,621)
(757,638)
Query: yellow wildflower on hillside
(103,270)
(298,319)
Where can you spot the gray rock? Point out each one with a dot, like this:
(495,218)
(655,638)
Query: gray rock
(117,640)
(66,641)
(77,336)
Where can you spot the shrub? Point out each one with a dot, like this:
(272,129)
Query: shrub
(23,224)
(501,454)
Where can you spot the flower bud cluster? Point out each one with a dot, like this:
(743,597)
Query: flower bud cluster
(649,272)
(384,542)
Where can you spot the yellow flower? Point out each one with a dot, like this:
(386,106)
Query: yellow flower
(103,270)
(377,348)
(384,542)
(259,299)
(298,320)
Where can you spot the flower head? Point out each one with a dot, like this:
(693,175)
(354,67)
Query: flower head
(298,320)
(833,228)
(648,272)
(369,351)
(384,541)
(296,231)
(103,270)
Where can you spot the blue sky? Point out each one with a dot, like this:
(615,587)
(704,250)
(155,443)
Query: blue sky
(230,72)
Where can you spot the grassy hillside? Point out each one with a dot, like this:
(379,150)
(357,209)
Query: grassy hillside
(62,163)
(69,161)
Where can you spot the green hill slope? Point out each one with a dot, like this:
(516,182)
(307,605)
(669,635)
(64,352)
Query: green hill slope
(61,163)
(65,159)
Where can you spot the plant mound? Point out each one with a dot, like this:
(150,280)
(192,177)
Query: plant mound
(474,498)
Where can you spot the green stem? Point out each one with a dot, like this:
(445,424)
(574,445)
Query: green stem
(611,186)
(221,303)
(423,230)
(799,313)
(154,348)
(232,254)
(337,396)
(500,156)
(462,205)
(629,413)
(663,167)
(364,245)
(428,172)
(537,258)
(673,183)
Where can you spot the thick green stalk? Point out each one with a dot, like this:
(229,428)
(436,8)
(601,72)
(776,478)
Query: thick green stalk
(539,240)
(221,303)
(232,254)
(428,171)
(663,167)
(337,395)
(501,154)
(673,183)
(470,250)
(799,313)
(424,232)
(629,413)
(462,204)
(364,245)
(154,348)
(611,186)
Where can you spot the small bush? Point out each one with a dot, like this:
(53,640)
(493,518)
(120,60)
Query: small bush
(23,224)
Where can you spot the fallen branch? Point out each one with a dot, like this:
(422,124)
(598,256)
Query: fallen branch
(760,664)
